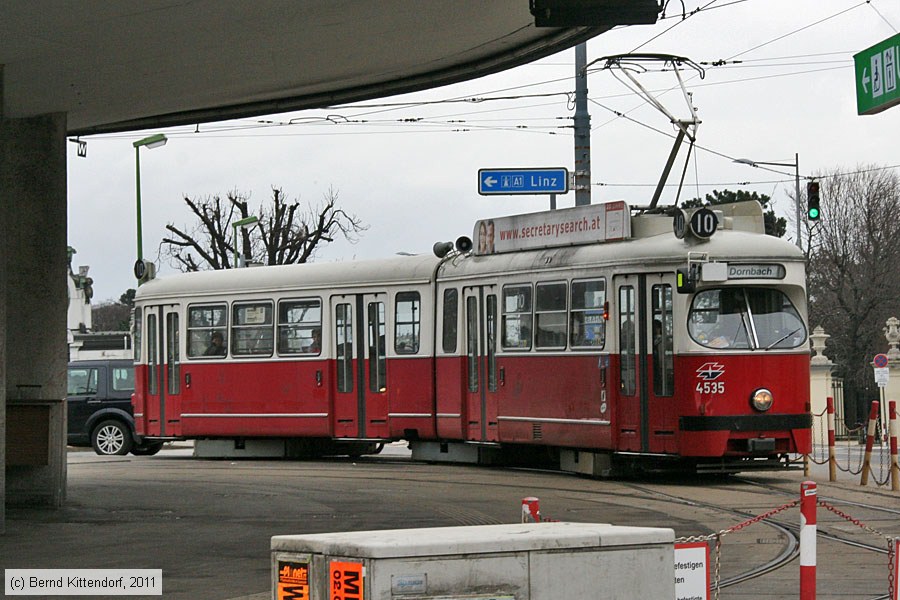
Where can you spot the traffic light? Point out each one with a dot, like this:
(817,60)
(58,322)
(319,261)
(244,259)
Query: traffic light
(812,201)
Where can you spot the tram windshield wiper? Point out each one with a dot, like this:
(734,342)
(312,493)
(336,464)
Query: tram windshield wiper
(782,338)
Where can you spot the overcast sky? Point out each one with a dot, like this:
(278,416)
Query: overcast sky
(409,170)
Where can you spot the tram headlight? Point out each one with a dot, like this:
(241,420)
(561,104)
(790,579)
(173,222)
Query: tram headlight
(762,400)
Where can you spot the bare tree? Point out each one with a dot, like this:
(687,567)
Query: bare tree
(286,232)
(854,252)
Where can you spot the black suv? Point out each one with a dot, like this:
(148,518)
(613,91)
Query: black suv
(99,408)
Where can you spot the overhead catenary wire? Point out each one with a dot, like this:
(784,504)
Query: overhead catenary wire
(431,124)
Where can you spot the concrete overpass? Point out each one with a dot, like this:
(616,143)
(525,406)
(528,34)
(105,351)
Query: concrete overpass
(77,68)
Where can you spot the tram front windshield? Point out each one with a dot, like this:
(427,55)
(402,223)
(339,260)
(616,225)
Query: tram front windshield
(745,318)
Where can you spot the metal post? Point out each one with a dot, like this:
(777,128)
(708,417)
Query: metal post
(552,201)
(870,441)
(808,497)
(797,183)
(895,467)
(582,130)
(137,164)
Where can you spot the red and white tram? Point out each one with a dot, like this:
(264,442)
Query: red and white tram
(597,334)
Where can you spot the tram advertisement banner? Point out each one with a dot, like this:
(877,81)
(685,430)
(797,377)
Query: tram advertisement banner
(565,227)
(345,580)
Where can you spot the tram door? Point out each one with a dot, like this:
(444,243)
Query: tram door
(647,412)
(481,363)
(360,351)
(162,410)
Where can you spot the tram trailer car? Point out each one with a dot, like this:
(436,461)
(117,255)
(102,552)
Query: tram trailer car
(591,336)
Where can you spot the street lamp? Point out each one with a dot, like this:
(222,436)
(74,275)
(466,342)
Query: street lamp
(154,141)
(243,223)
(796,165)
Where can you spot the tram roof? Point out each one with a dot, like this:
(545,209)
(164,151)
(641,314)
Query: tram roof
(398,269)
(659,249)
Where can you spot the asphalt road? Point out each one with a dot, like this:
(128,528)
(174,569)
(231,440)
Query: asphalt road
(207,523)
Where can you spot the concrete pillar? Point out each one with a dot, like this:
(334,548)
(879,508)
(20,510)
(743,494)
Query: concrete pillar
(33,307)
(3,286)
(819,384)
(892,390)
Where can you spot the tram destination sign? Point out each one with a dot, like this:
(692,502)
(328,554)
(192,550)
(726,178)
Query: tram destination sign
(502,182)
(877,74)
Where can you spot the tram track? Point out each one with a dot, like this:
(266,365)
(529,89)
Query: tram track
(568,495)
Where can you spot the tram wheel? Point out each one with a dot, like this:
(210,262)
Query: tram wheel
(147,449)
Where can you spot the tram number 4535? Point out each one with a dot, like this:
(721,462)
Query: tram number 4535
(711,387)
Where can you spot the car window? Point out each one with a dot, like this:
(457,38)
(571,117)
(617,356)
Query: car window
(123,379)
(83,381)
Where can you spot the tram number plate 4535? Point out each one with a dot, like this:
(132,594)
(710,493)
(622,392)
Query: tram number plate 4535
(711,387)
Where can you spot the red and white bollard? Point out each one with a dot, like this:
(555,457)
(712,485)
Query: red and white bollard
(832,460)
(531,510)
(870,442)
(895,466)
(808,501)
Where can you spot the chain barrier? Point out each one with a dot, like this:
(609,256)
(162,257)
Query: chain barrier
(873,531)
(823,435)
(856,431)
(883,469)
(717,536)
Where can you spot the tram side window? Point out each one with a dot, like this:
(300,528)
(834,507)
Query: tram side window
(588,321)
(550,315)
(138,326)
(377,347)
(627,341)
(407,317)
(517,317)
(251,329)
(662,347)
(173,354)
(152,356)
(300,326)
(451,318)
(343,339)
(207,330)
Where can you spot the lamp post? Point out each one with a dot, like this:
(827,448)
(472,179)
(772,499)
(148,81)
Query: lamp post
(243,223)
(796,165)
(154,141)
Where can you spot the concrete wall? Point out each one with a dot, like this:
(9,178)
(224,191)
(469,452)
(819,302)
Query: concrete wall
(33,308)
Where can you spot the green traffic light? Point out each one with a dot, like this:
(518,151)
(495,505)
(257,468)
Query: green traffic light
(813,214)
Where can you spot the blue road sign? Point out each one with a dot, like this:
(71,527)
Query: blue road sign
(523,181)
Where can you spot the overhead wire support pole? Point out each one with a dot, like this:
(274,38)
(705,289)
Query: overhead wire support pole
(582,129)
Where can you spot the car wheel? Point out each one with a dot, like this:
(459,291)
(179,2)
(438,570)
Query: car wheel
(147,448)
(111,438)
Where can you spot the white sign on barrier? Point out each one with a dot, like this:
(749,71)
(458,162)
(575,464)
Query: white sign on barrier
(692,571)
(896,568)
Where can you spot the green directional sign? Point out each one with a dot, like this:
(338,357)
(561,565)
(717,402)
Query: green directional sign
(877,75)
